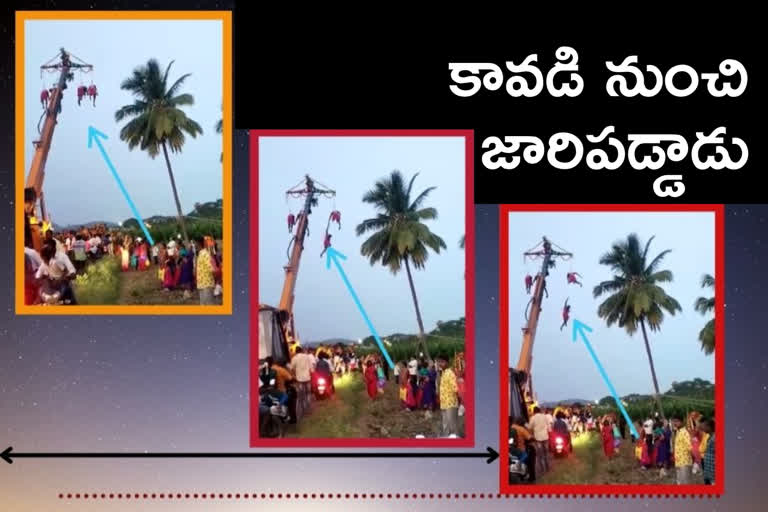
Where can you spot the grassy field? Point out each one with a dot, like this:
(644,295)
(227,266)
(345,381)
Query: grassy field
(103,283)
(588,465)
(350,413)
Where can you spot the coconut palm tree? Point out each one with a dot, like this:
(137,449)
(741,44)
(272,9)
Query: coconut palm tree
(400,237)
(220,129)
(157,121)
(636,299)
(705,305)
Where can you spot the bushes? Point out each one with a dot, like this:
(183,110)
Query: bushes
(673,407)
(99,284)
(406,349)
(163,232)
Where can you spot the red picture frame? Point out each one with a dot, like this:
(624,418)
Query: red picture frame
(619,489)
(469,439)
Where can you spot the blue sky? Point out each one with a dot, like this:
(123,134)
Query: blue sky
(78,185)
(562,369)
(351,166)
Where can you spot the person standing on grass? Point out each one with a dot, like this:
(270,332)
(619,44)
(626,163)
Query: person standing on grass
(683,457)
(302,368)
(371,380)
(606,433)
(204,274)
(539,425)
(707,426)
(449,399)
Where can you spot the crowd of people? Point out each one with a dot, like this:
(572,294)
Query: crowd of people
(422,385)
(184,266)
(687,446)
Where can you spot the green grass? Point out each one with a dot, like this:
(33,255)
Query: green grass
(99,284)
(337,417)
(589,465)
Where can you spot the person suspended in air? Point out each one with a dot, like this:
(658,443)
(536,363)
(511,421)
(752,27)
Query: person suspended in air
(336,217)
(572,278)
(291,222)
(81,91)
(566,314)
(44,95)
(92,93)
(543,284)
(326,244)
(528,283)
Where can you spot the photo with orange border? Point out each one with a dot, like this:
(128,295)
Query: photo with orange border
(142,191)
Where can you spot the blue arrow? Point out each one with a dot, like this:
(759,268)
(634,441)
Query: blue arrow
(334,255)
(95,135)
(578,329)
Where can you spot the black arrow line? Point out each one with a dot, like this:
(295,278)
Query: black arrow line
(8,455)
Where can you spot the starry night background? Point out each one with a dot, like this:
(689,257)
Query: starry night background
(136,383)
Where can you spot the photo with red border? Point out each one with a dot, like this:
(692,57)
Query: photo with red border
(469,350)
(504,341)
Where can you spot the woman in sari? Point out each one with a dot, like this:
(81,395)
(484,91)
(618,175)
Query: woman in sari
(429,394)
(663,436)
(371,380)
(125,254)
(143,256)
(186,272)
(606,433)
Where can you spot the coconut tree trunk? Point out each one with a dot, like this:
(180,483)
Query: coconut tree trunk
(656,395)
(175,196)
(422,341)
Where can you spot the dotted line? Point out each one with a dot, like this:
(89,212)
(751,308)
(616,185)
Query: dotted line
(352,496)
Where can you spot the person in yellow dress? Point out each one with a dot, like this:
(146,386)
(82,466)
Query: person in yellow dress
(449,399)
(204,274)
(682,451)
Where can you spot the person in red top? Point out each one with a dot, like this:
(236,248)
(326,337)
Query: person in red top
(81,90)
(371,380)
(44,98)
(606,433)
(291,222)
(92,93)
(566,314)
(326,244)
(336,217)
(528,284)
(571,276)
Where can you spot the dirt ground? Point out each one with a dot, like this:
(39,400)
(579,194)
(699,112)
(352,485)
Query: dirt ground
(143,287)
(589,465)
(350,413)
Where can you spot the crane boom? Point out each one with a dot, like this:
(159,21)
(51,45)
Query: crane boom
(310,190)
(525,361)
(36,175)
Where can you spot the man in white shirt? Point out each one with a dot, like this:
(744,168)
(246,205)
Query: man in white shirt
(58,270)
(302,369)
(539,426)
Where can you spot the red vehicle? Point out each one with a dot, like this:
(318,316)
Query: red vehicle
(322,385)
(559,444)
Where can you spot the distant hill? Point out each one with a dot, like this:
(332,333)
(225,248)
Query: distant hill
(76,227)
(697,388)
(449,329)
(209,210)
(333,341)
